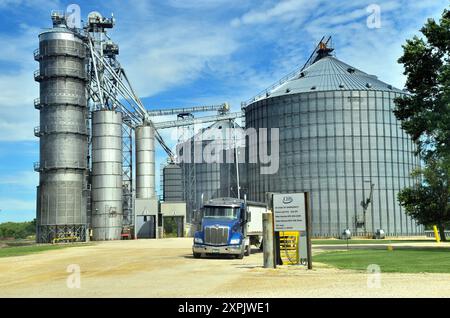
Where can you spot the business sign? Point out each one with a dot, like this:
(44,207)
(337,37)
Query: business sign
(289,212)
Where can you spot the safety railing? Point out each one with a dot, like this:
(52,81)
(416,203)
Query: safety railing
(37,166)
(431,234)
(55,128)
(37,103)
(37,131)
(37,75)
(61,99)
(36,55)
(60,72)
(59,164)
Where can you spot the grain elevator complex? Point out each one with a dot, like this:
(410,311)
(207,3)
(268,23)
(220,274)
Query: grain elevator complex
(338,140)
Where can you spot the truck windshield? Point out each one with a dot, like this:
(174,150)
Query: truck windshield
(221,212)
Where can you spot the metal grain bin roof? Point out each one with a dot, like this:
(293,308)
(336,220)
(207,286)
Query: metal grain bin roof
(330,74)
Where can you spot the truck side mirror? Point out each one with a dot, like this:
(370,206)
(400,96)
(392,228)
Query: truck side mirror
(245,215)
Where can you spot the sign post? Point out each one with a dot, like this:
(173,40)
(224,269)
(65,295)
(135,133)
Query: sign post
(308,229)
(292,213)
(268,246)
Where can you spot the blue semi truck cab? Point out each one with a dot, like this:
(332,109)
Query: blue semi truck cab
(228,226)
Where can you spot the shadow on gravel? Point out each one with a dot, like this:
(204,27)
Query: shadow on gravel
(221,256)
(247,266)
(218,257)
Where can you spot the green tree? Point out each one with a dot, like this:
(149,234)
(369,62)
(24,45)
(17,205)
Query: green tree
(425,112)
(428,201)
(425,115)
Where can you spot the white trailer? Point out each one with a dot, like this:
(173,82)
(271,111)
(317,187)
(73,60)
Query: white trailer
(255,226)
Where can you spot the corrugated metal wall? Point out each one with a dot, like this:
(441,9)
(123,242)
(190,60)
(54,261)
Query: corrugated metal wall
(213,180)
(107,209)
(172,183)
(63,136)
(334,144)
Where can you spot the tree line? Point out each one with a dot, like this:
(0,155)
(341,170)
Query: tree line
(17,230)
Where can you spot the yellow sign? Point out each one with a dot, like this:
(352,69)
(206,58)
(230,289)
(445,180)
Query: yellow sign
(289,248)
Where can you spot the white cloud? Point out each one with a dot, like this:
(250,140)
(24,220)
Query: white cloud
(198,4)
(17,113)
(176,54)
(284,10)
(293,28)
(164,50)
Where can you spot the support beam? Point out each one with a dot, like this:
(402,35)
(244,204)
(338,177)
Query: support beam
(198,120)
(181,110)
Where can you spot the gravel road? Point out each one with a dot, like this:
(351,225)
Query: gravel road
(165,268)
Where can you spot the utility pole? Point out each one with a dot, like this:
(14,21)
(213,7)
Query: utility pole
(236,156)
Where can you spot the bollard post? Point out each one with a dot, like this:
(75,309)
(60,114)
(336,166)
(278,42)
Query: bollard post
(436,234)
(269,259)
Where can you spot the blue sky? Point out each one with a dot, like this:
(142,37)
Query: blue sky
(185,53)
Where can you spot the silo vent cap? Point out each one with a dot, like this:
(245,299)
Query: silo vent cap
(368,85)
(341,85)
(313,88)
(351,70)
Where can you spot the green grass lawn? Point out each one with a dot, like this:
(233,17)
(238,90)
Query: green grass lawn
(368,241)
(25,250)
(400,260)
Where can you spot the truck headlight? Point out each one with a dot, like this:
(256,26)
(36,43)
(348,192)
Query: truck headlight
(235,241)
(198,240)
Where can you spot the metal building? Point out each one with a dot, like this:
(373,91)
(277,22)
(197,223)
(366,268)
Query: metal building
(218,178)
(172,183)
(63,133)
(106,176)
(338,139)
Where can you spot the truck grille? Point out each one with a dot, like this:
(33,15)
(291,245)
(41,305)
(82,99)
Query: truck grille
(216,235)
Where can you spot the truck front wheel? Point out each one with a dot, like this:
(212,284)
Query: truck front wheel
(243,252)
(248,250)
(197,255)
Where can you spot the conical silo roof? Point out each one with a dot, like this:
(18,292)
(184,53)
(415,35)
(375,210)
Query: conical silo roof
(331,74)
(221,129)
